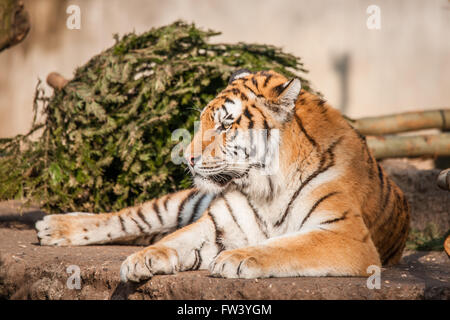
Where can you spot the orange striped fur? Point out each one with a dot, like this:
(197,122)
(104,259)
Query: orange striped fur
(327,209)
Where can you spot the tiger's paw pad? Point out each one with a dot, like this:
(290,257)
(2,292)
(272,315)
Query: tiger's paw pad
(236,264)
(146,263)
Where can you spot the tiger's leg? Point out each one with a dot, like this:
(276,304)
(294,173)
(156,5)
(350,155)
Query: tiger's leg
(190,248)
(142,224)
(315,253)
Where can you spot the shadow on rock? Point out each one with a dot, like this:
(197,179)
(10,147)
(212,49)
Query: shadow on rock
(124,290)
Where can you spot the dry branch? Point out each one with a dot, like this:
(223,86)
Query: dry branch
(14,23)
(403,122)
(410,146)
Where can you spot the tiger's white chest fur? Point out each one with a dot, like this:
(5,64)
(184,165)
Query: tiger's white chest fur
(268,207)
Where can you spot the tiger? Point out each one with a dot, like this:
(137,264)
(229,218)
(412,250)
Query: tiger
(325,208)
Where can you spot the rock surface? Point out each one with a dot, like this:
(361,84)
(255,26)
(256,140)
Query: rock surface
(29,271)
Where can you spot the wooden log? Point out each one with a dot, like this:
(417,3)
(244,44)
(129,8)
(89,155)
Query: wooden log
(56,81)
(409,146)
(403,122)
(14,23)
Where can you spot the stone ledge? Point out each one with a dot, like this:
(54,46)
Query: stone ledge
(29,271)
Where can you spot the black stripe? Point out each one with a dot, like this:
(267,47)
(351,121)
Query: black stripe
(151,238)
(251,124)
(302,128)
(142,217)
(181,207)
(249,116)
(238,272)
(218,232)
(279,89)
(156,209)
(229,100)
(195,208)
(360,135)
(381,176)
(244,97)
(320,102)
(255,83)
(343,217)
(314,207)
(267,127)
(166,200)
(233,90)
(233,216)
(265,124)
(198,258)
(226,111)
(122,224)
(250,89)
(258,218)
(266,81)
(270,185)
(322,168)
(139,226)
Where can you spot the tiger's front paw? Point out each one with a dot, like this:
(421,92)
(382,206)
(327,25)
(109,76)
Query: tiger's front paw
(237,263)
(144,264)
(63,229)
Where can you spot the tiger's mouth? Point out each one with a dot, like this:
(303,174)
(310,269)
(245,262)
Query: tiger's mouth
(215,182)
(222,179)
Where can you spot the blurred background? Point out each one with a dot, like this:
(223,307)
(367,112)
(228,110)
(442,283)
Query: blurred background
(404,65)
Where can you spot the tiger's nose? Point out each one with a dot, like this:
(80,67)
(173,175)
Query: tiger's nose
(193,160)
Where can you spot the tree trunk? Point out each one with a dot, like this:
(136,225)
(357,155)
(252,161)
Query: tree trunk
(14,23)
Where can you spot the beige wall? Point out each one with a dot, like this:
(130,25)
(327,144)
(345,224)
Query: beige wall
(403,66)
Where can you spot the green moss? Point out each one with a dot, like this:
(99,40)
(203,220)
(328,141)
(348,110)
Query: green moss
(106,140)
(428,239)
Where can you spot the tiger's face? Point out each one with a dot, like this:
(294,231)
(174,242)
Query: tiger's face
(239,130)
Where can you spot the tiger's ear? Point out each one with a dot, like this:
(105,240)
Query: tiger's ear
(287,93)
(239,74)
(284,97)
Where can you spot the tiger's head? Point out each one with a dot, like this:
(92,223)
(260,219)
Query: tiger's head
(239,135)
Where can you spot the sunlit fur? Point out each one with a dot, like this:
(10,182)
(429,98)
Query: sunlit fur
(326,208)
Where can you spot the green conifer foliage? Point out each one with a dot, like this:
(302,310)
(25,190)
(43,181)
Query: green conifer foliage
(106,141)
